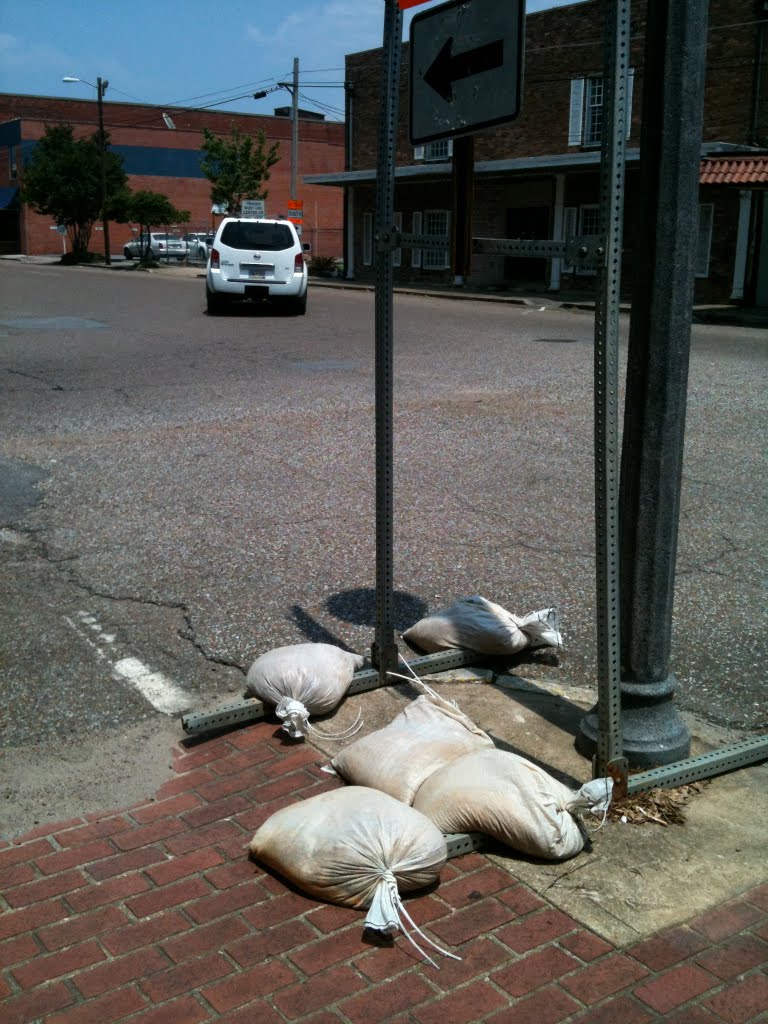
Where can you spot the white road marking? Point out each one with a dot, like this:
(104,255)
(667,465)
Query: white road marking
(159,691)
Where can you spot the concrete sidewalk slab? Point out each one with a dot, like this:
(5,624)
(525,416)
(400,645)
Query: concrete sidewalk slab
(156,914)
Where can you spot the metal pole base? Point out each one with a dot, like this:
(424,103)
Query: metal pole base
(653,732)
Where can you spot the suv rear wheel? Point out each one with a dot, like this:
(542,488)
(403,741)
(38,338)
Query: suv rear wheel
(298,307)
(214,303)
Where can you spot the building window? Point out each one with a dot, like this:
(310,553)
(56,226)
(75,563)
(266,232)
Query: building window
(397,254)
(593,112)
(436,223)
(442,149)
(704,240)
(589,219)
(367,239)
(13,170)
(585,123)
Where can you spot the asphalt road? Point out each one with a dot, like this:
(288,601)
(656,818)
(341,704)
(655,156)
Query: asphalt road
(179,494)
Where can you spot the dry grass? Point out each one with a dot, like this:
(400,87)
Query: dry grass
(659,806)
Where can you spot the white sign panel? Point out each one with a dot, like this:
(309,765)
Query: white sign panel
(252,208)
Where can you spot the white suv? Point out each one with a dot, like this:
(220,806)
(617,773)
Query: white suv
(256,259)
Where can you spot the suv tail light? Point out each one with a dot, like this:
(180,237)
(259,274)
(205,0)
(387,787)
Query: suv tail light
(298,264)
(215,258)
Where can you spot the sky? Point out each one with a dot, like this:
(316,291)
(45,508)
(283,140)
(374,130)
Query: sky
(193,53)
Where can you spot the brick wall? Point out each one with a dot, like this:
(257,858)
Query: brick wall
(320,151)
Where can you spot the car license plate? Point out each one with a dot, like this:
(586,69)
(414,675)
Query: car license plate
(257,272)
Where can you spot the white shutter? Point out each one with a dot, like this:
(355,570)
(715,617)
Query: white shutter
(576,116)
(570,216)
(418,152)
(630,84)
(416,253)
(450,147)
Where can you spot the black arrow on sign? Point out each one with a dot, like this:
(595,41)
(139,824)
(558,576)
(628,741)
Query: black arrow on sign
(447,69)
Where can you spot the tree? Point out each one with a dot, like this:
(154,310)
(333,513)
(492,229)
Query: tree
(148,210)
(62,179)
(237,166)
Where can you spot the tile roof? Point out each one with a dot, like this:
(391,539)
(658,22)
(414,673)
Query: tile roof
(735,172)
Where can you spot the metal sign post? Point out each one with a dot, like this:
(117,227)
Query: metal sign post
(384,652)
(608,757)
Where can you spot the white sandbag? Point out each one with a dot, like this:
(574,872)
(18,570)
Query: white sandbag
(302,680)
(427,734)
(355,847)
(513,800)
(476,624)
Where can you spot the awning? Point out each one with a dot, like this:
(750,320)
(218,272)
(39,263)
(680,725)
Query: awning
(8,194)
(742,171)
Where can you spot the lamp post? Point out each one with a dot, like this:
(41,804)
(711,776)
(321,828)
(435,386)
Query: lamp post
(101,87)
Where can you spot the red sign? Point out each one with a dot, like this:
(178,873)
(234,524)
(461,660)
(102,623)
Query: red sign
(296,210)
(405,4)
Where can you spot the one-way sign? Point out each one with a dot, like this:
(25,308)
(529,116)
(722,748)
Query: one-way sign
(466,67)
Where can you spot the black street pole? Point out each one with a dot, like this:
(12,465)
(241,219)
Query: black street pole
(101,88)
(657,377)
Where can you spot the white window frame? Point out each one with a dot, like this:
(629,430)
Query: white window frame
(704,239)
(433,151)
(436,259)
(417,228)
(367,239)
(581,89)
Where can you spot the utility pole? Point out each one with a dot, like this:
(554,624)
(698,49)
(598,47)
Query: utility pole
(294,126)
(101,87)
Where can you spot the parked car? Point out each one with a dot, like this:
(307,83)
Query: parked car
(160,244)
(198,244)
(257,259)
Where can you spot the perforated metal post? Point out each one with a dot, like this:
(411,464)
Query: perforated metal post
(600,730)
(384,652)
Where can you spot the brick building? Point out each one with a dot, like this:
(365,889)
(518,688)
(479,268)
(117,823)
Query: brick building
(166,160)
(537,177)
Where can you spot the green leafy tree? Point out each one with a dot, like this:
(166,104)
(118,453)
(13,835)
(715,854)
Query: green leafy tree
(237,166)
(62,179)
(148,210)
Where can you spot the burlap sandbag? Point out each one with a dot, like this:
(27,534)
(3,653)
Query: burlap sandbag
(476,624)
(302,680)
(511,799)
(358,848)
(428,734)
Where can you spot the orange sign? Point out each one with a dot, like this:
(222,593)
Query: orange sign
(296,210)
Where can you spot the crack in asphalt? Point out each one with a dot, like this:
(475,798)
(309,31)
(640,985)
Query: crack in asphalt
(40,549)
(33,376)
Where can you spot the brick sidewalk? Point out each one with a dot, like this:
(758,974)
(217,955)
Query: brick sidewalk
(156,914)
